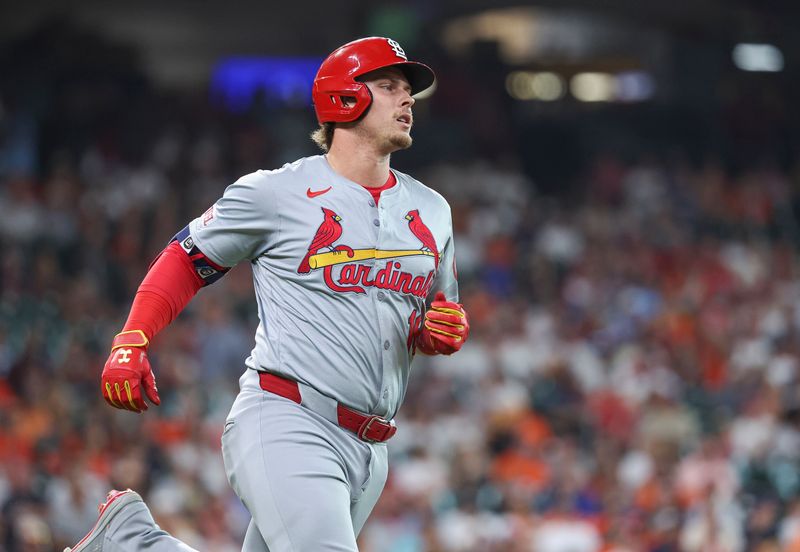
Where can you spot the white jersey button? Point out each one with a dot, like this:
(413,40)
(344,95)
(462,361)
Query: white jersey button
(371,203)
(381,296)
(386,345)
(376,222)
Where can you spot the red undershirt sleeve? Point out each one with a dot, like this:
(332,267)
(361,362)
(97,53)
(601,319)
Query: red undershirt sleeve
(165,291)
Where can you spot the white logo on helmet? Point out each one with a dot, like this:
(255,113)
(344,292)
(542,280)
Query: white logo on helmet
(397,48)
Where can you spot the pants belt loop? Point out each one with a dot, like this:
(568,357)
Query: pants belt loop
(319,403)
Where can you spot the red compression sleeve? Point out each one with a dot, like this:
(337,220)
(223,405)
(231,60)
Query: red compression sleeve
(168,287)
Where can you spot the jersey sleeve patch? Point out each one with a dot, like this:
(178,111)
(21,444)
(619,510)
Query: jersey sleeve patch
(208,270)
(209,215)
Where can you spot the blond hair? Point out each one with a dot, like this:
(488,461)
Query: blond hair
(323,136)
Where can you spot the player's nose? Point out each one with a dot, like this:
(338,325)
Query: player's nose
(407,100)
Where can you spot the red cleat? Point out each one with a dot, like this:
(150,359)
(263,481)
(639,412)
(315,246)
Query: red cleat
(115,502)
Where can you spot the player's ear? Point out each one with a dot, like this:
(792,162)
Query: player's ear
(348,101)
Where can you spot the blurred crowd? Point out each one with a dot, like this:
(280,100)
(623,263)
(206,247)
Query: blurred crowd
(631,383)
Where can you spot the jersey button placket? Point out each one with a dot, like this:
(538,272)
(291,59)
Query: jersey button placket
(383,300)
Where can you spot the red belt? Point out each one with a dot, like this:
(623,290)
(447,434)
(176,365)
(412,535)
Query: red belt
(368,427)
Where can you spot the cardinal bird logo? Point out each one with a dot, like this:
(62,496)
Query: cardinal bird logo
(423,234)
(328,232)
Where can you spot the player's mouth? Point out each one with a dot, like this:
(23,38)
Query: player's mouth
(405,119)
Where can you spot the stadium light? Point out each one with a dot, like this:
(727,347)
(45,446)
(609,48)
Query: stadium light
(519,85)
(526,85)
(758,57)
(547,86)
(593,87)
(634,86)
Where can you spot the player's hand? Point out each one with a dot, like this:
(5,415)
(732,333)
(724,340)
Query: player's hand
(445,328)
(127,372)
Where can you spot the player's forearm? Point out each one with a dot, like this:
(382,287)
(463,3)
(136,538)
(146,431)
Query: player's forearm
(165,291)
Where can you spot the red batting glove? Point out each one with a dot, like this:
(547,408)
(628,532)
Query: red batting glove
(127,372)
(445,329)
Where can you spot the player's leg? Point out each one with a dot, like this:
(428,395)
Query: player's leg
(125,525)
(253,541)
(378,471)
(289,478)
(297,473)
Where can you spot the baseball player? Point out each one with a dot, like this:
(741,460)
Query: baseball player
(354,272)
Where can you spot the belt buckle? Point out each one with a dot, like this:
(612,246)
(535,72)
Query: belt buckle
(362,432)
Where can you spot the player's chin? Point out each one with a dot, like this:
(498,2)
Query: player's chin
(401,140)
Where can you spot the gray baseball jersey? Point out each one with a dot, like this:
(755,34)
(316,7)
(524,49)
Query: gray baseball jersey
(341,282)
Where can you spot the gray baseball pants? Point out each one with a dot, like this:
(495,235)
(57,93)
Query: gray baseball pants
(309,485)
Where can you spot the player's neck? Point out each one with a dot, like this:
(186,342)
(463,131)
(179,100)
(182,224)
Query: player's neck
(360,164)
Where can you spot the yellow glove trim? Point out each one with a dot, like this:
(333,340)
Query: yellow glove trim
(447,310)
(441,332)
(130,395)
(136,339)
(451,324)
(111,396)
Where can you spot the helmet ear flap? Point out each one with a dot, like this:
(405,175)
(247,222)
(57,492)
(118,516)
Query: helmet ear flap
(328,94)
(366,102)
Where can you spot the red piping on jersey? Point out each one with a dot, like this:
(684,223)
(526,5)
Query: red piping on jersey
(165,291)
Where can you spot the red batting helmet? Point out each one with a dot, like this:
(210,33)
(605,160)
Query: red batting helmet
(337,75)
